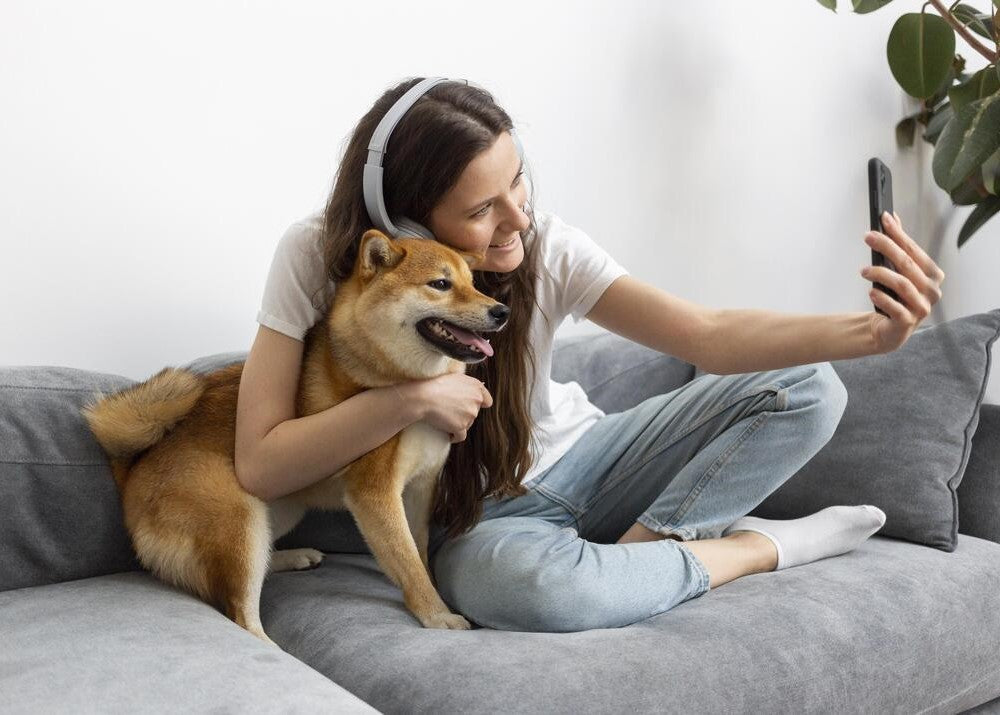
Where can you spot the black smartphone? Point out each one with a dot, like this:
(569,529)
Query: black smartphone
(879,200)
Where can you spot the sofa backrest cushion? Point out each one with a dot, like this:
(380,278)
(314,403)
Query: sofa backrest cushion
(905,439)
(60,517)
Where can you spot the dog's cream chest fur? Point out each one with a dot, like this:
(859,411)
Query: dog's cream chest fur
(422,449)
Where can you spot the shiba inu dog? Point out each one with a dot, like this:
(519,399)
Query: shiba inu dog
(408,311)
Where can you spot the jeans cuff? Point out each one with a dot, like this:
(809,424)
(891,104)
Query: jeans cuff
(699,568)
(686,533)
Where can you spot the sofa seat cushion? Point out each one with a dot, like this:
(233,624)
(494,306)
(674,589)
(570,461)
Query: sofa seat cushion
(128,643)
(891,626)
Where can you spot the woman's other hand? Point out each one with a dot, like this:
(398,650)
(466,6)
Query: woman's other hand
(449,402)
(916,280)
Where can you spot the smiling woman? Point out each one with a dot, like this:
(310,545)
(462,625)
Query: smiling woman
(543,497)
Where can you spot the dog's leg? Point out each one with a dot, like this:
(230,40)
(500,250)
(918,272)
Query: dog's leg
(294,559)
(283,514)
(216,548)
(381,519)
(418,500)
(241,569)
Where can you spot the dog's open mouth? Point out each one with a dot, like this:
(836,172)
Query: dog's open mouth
(453,341)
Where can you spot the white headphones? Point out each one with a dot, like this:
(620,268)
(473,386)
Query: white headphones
(374,198)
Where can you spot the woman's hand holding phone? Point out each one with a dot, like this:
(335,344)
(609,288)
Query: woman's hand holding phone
(916,282)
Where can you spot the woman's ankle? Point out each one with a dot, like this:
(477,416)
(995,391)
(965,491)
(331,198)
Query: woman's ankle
(762,551)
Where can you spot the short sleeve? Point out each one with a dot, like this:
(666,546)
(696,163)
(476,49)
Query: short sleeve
(297,291)
(581,268)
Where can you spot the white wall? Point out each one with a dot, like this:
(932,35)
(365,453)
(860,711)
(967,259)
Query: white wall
(153,154)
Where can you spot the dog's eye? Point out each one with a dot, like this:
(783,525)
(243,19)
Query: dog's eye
(440,284)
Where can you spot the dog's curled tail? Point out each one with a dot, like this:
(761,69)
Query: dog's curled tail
(129,421)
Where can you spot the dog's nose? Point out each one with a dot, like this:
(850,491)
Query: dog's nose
(499,313)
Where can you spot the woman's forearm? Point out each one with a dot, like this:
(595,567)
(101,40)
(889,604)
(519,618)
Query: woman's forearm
(301,451)
(756,340)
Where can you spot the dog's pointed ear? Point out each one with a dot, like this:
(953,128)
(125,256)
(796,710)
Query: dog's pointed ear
(473,259)
(378,253)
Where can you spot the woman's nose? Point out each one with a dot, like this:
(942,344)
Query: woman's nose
(519,219)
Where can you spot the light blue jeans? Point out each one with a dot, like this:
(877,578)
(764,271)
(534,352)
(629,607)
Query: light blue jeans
(689,462)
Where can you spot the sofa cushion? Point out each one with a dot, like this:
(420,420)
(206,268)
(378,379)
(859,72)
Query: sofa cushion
(617,373)
(905,438)
(128,643)
(979,495)
(889,627)
(60,516)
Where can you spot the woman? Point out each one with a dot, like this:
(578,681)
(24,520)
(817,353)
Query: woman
(577,519)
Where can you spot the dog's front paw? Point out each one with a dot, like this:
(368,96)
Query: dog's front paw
(446,620)
(295,559)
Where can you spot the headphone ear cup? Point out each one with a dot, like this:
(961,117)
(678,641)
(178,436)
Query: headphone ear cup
(406,227)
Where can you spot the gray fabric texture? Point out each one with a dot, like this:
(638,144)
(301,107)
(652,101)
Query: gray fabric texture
(889,627)
(905,438)
(990,708)
(60,516)
(979,493)
(126,643)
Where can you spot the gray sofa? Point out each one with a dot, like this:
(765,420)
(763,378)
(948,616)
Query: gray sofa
(894,626)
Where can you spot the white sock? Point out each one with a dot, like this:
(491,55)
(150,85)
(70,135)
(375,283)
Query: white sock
(829,532)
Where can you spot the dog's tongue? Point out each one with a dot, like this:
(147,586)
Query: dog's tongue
(471,339)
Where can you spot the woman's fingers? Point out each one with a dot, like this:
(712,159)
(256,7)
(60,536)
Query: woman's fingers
(915,301)
(911,249)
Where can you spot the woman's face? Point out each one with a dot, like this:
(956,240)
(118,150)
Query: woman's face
(482,212)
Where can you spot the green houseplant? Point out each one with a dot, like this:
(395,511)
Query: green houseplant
(960,112)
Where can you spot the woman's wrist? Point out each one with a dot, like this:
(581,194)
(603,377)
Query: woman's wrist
(411,401)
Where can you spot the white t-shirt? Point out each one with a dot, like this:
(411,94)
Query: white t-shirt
(573,273)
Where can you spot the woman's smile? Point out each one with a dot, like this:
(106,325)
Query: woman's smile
(506,245)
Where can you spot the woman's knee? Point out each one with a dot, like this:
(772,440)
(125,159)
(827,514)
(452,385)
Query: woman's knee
(519,582)
(821,394)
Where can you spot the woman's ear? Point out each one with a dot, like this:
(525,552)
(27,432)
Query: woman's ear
(378,252)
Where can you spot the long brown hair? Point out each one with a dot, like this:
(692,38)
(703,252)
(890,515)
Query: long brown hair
(428,150)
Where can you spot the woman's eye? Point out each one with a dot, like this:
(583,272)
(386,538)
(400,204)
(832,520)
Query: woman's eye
(440,284)
(484,209)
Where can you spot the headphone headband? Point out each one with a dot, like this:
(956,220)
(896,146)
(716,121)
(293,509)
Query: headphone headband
(372,177)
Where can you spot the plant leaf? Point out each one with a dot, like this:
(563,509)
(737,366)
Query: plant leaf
(969,192)
(991,173)
(983,212)
(905,131)
(937,123)
(863,7)
(920,51)
(969,138)
(978,22)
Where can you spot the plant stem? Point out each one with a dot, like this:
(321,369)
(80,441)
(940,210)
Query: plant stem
(964,32)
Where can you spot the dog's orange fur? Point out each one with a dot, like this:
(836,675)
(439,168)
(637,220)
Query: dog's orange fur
(171,442)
